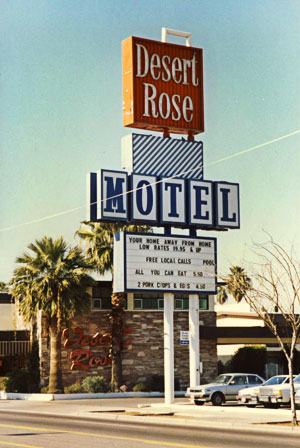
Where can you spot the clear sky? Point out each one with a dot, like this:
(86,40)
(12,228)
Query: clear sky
(61,109)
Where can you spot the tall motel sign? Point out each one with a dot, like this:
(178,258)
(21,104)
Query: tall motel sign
(162,184)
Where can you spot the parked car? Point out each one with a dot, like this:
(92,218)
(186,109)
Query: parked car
(297,398)
(249,397)
(275,395)
(224,388)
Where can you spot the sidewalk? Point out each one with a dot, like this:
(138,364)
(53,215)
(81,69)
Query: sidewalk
(154,411)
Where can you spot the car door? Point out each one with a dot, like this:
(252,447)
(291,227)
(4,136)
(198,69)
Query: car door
(236,383)
(254,380)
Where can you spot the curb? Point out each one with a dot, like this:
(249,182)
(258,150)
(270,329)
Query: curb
(20,396)
(54,397)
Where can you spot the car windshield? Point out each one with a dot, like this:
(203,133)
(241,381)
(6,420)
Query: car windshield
(223,379)
(297,379)
(275,380)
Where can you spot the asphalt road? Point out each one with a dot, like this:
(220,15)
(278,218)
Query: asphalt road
(37,431)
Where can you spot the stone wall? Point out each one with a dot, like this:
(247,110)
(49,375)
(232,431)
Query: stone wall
(142,356)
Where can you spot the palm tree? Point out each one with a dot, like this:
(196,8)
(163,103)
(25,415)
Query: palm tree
(237,283)
(3,287)
(222,295)
(100,239)
(52,278)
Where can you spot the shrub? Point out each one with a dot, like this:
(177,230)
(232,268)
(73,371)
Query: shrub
(25,379)
(75,388)
(94,384)
(112,387)
(18,380)
(141,387)
(44,389)
(156,383)
(2,383)
(221,367)
(248,359)
(34,368)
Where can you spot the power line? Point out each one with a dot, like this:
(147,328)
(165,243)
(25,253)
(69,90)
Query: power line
(231,156)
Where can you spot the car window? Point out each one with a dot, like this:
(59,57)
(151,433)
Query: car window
(287,379)
(297,379)
(275,380)
(223,379)
(238,379)
(253,379)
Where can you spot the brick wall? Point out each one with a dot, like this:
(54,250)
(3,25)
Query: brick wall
(144,355)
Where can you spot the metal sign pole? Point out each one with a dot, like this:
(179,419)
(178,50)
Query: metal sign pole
(194,350)
(169,298)
(169,347)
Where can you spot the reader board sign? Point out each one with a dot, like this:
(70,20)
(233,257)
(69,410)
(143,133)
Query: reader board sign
(162,86)
(164,263)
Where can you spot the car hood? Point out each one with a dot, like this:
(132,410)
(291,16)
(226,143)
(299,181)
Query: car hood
(247,390)
(280,386)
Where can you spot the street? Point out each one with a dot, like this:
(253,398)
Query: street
(38,431)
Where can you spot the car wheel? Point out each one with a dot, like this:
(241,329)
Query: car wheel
(271,405)
(198,402)
(217,399)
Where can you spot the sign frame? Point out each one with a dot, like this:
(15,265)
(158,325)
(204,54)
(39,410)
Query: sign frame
(103,199)
(133,115)
(236,224)
(132,199)
(166,202)
(120,274)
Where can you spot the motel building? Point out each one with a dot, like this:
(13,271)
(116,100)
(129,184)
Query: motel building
(143,351)
(85,352)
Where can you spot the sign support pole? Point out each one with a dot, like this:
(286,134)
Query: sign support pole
(169,347)
(194,340)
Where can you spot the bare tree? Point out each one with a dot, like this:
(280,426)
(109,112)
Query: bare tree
(274,294)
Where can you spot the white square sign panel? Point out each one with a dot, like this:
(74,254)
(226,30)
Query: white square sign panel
(227,205)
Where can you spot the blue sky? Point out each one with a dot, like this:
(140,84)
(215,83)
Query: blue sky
(61,109)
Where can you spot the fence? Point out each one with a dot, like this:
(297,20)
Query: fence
(12,348)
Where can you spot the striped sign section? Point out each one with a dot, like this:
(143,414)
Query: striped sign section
(160,156)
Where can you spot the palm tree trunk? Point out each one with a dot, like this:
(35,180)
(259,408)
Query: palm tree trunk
(55,377)
(116,320)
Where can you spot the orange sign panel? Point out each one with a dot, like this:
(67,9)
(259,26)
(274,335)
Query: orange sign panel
(162,86)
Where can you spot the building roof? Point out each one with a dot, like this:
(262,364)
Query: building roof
(238,315)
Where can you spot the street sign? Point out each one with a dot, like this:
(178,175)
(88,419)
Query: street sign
(184,337)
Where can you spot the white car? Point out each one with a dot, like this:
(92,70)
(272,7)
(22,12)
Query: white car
(225,387)
(274,395)
(297,397)
(248,396)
